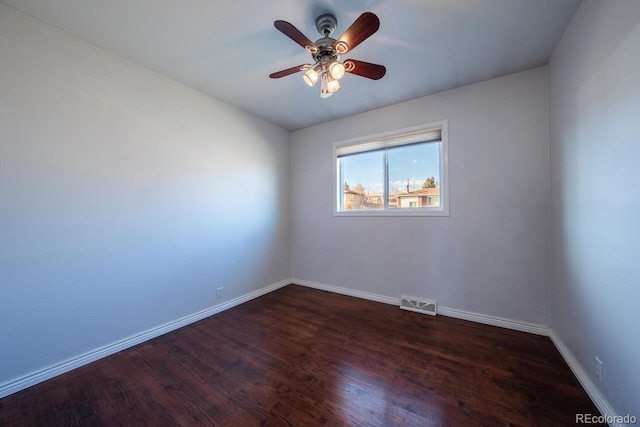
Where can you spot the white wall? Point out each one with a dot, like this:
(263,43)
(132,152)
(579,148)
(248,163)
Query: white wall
(490,255)
(594,81)
(125,199)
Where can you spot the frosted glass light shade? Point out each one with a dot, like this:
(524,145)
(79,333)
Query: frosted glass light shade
(336,69)
(333,86)
(311,76)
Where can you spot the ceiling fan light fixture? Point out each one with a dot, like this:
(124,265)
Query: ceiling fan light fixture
(329,86)
(312,74)
(324,88)
(333,86)
(336,69)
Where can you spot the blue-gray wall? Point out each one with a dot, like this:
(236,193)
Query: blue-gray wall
(594,116)
(126,199)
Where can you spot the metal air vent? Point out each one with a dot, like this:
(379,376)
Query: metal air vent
(418,305)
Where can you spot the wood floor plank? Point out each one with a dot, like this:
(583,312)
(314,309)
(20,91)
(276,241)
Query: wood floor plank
(304,357)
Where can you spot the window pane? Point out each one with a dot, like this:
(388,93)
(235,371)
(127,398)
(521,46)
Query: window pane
(362,177)
(401,174)
(414,175)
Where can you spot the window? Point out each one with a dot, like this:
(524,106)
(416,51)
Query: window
(401,173)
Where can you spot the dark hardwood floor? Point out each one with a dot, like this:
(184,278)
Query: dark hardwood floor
(303,357)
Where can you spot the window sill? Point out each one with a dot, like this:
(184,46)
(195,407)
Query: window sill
(397,213)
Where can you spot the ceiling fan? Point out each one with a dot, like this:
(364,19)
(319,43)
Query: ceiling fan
(326,52)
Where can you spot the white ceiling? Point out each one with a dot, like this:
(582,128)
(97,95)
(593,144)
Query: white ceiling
(228,48)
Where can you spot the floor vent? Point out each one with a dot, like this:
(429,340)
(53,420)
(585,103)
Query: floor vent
(419,305)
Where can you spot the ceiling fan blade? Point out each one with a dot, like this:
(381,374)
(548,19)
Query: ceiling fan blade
(365,69)
(289,71)
(363,27)
(294,34)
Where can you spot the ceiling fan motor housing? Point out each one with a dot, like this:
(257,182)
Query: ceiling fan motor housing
(326,49)
(326,24)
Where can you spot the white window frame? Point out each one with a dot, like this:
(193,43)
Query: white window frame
(398,137)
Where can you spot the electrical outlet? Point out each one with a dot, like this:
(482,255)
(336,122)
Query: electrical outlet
(599,370)
(219,293)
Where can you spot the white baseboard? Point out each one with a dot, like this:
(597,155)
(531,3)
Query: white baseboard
(515,325)
(444,311)
(346,291)
(41,375)
(594,393)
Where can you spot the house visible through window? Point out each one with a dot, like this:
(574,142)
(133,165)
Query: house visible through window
(404,173)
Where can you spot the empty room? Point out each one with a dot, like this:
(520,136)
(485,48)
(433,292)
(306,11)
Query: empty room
(359,213)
